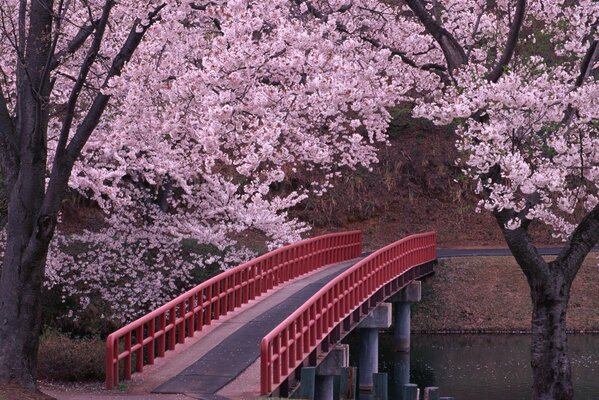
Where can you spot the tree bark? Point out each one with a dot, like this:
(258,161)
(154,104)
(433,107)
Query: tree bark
(552,378)
(28,232)
(33,208)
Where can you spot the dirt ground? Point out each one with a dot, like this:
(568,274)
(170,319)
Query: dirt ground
(490,294)
(10,392)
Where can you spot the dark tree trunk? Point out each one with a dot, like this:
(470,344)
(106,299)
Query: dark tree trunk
(552,378)
(20,309)
(550,284)
(33,208)
(28,232)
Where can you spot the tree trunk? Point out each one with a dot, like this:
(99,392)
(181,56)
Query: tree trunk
(20,296)
(552,378)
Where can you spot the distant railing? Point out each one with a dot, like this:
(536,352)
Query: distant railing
(283,349)
(153,334)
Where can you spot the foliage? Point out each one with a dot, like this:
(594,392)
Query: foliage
(63,358)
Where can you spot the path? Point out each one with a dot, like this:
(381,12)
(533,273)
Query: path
(450,253)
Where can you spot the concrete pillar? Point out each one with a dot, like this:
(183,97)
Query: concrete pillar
(337,358)
(412,293)
(379,318)
(369,356)
(401,334)
(324,387)
(401,370)
(431,393)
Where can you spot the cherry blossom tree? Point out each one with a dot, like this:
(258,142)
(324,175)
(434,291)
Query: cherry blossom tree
(178,119)
(519,79)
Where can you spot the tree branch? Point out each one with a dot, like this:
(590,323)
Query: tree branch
(81,79)
(62,167)
(521,245)
(510,46)
(454,53)
(581,242)
(75,44)
(586,68)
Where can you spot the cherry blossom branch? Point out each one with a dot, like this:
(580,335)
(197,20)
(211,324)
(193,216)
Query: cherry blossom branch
(510,46)
(475,31)
(82,78)
(63,163)
(374,42)
(454,53)
(586,66)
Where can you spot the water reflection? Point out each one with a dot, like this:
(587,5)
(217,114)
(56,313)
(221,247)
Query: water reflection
(475,367)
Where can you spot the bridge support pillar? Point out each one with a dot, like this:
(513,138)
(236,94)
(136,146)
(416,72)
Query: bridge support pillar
(403,299)
(401,370)
(379,318)
(337,358)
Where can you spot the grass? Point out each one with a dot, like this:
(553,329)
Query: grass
(490,294)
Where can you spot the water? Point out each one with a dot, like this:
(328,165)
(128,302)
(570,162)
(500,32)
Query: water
(481,367)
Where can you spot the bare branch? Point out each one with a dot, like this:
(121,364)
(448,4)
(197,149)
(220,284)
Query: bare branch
(75,44)
(521,245)
(582,240)
(510,46)
(81,79)
(454,53)
(200,7)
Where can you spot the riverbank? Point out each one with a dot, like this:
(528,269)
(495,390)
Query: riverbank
(490,295)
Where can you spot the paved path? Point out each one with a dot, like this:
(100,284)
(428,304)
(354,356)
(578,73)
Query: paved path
(240,349)
(450,253)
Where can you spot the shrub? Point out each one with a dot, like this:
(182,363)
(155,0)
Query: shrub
(63,358)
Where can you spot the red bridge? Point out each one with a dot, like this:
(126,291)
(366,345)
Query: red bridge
(252,329)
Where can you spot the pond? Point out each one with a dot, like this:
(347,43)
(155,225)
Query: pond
(475,367)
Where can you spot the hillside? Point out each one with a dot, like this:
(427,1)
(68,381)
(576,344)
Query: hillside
(415,187)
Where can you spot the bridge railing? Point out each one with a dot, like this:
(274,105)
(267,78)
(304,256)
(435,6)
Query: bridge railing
(161,329)
(283,349)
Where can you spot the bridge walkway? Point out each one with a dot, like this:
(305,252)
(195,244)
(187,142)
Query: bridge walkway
(225,363)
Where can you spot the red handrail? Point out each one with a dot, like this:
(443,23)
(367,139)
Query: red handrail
(162,328)
(283,349)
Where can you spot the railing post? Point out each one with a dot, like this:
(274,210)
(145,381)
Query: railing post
(172,321)
(162,338)
(151,343)
(128,357)
(109,362)
(265,367)
(139,353)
